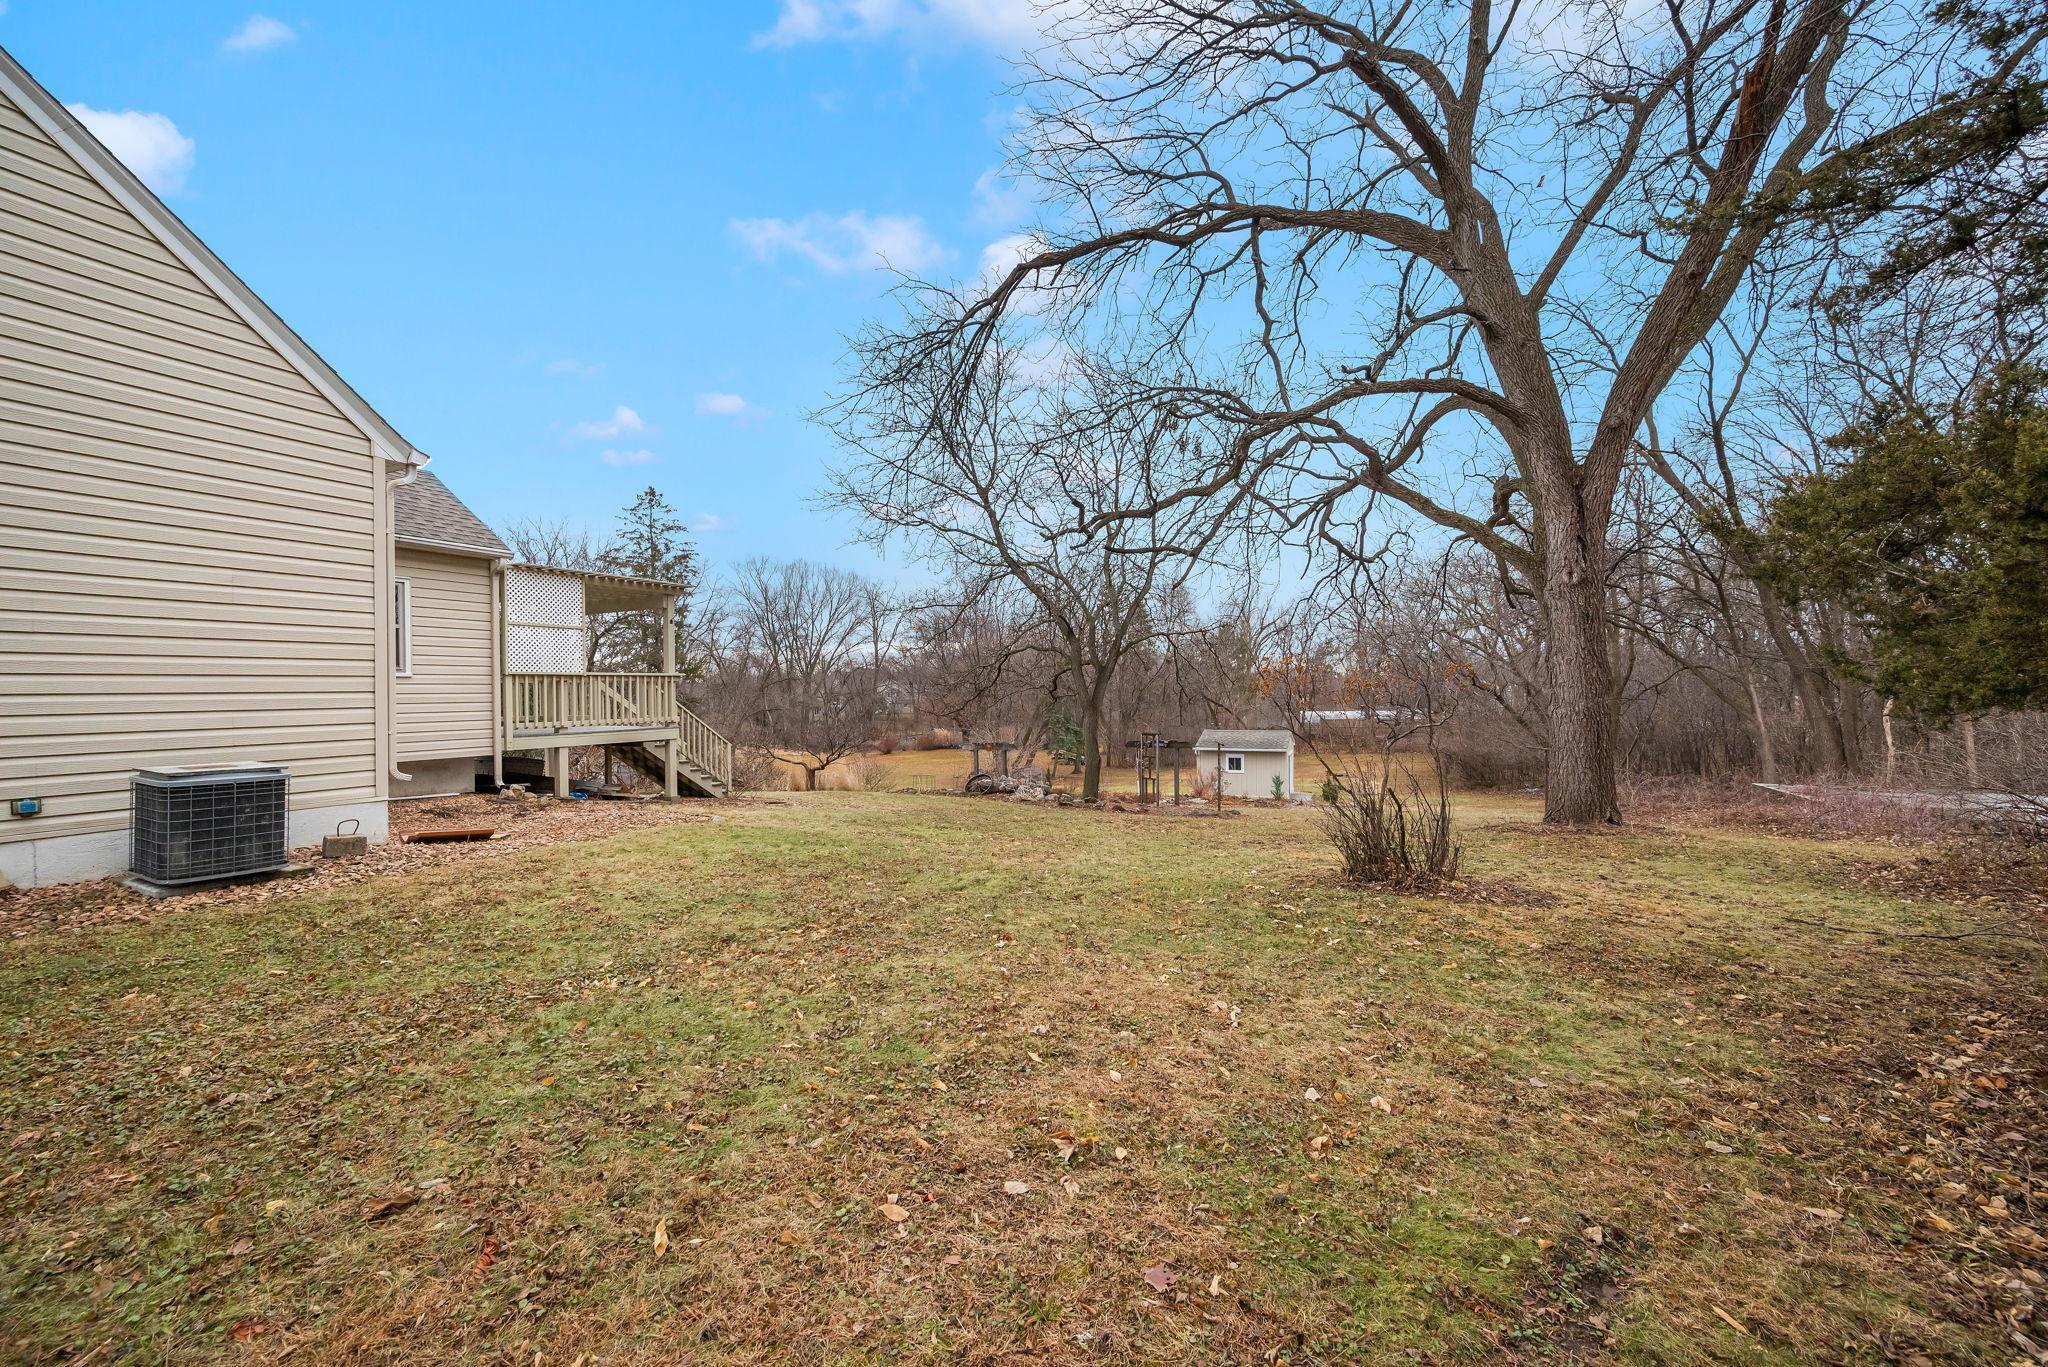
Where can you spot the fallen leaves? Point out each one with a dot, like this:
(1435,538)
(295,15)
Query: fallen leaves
(384,1207)
(1016,1188)
(1160,1278)
(1070,1146)
(893,1213)
(660,1238)
(522,825)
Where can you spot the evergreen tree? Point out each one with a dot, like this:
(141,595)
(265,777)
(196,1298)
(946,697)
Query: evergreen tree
(648,544)
(1936,534)
(1961,187)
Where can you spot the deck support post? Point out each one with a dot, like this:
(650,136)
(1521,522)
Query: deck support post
(561,768)
(668,767)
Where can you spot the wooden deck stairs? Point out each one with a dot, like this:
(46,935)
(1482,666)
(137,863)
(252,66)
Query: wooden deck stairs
(692,776)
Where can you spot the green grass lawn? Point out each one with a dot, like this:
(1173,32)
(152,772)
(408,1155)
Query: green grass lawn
(766,1090)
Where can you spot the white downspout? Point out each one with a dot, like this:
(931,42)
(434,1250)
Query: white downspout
(389,684)
(499,738)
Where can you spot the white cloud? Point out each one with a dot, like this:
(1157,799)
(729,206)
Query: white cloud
(852,241)
(999,202)
(1005,254)
(623,422)
(1003,24)
(258,32)
(726,406)
(709,522)
(150,145)
(569,365)
(639,456)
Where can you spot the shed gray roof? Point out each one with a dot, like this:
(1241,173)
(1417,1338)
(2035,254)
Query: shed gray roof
(1244,740)
(424,513)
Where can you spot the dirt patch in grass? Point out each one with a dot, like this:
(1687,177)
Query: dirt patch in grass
(1567,1312)
(863,1078)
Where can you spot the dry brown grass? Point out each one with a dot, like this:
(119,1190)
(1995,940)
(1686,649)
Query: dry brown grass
(745,1037)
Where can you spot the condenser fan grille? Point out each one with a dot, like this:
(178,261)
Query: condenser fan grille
(216,821)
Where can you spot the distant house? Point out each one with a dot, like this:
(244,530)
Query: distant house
(1354,716)
(1247,761)
(213,550)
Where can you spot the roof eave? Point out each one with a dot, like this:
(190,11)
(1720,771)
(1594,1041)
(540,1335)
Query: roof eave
(420,543)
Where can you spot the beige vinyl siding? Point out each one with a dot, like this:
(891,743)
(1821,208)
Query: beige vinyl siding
(187,527)
(443,711)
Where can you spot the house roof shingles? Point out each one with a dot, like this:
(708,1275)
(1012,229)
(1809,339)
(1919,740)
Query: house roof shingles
(1213,739)
(425,513)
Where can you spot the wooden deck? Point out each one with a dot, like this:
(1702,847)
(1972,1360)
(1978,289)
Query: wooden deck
(563,711)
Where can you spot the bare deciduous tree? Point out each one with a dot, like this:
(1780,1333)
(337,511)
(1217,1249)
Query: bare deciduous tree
(1438,259)
(991,480)
(806,640)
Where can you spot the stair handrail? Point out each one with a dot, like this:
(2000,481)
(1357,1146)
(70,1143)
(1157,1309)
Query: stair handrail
(704,745)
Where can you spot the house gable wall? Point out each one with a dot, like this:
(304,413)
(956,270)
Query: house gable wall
(189,529)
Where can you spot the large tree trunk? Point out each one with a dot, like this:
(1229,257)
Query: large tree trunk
(1091,750)
(1579,786)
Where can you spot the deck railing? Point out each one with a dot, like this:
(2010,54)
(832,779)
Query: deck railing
(539,704)
(568,702)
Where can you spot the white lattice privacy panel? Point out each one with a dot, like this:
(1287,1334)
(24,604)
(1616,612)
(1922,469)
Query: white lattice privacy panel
(543,622)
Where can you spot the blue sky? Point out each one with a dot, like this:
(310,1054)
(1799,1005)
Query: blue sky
(570,251)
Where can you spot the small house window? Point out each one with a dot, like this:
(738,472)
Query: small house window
(1234,763)
(401,627)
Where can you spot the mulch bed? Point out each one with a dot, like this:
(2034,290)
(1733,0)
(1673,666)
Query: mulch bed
(520,823)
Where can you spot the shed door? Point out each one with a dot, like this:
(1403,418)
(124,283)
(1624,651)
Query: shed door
(544,628)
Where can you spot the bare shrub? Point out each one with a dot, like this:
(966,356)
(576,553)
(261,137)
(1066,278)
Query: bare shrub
(865,774)
(937,738)
(1386,839)
(756,771)
(886,743)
